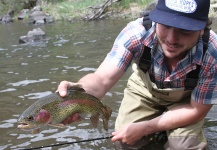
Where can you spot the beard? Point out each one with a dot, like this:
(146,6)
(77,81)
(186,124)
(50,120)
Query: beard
(180,52)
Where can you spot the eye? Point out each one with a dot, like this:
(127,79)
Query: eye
(30,118)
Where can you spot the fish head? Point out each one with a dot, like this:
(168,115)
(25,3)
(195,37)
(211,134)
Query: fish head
(33,121)
(26,123)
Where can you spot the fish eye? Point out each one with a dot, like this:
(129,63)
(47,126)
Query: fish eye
(30,118)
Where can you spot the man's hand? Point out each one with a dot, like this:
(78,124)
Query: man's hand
(130,133)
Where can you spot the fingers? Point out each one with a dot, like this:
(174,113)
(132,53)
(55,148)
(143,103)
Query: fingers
(62,88)
(120,135)
(116,137)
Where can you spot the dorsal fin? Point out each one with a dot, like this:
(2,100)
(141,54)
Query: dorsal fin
(77,87)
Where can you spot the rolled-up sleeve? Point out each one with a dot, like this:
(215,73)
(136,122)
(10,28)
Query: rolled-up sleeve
(128,45)
(206,90)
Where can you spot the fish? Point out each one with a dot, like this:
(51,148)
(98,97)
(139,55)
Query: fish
(53,109)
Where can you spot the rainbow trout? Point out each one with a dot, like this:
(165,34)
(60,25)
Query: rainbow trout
(53,109)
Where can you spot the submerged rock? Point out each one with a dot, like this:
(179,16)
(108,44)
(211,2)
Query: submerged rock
(36,35)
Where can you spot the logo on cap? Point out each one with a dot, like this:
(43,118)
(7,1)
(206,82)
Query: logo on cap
(185,6)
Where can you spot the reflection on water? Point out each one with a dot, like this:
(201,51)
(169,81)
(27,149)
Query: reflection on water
(29,72)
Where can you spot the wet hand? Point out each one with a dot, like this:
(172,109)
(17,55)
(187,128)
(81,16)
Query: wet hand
(128,134)
(63,86)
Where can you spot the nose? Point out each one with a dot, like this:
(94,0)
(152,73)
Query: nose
(172,36)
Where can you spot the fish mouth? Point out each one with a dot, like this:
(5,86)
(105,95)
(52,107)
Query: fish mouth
(23,125)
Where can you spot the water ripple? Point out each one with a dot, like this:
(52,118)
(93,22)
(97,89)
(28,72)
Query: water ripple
(3,49)
(87,69)
(60,42)
(76,43)
(8,123)
(62,57)
(75,68)
(8,90)
(26,82)
(37,95)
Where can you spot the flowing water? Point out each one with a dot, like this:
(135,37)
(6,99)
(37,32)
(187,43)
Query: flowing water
(31,71)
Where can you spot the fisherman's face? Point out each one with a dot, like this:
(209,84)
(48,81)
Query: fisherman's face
(176,42)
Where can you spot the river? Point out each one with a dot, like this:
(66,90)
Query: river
(29,72)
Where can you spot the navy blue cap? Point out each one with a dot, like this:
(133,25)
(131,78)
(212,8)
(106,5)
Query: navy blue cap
(183,14)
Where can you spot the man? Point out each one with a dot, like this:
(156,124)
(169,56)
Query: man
(156,99)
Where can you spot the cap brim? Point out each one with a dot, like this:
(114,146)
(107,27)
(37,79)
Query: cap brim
(177,21)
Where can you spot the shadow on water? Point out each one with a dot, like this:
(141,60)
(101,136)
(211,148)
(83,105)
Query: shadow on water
(29,72)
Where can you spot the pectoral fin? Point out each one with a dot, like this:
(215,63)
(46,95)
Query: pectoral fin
(95,120)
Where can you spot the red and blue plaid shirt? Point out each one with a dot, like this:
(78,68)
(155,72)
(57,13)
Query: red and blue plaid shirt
(129,46)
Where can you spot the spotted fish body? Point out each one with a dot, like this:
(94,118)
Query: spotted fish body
(53,109)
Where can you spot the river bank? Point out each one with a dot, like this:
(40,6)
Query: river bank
(95,9)
(76,9)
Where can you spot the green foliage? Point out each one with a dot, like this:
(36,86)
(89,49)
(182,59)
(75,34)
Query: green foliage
(53,1)
(64,9)
(12,5)
(60,9)
(126,3)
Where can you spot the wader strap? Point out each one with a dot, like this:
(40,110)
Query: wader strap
(147,23)
(191,78)
(145,60)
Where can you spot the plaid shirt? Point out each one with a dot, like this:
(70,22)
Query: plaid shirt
(129,46)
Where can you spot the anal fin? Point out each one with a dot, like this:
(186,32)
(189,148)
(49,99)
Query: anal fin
(94,120)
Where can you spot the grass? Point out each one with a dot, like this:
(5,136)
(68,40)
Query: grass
(127,3)
(68,9)
(78,8)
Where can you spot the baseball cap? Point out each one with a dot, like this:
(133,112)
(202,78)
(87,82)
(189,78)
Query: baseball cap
(183,14)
